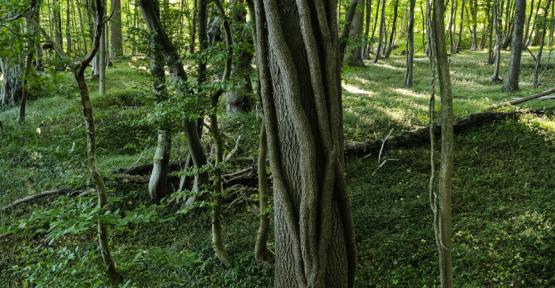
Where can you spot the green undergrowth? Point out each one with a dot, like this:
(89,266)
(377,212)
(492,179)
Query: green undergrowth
(504,189)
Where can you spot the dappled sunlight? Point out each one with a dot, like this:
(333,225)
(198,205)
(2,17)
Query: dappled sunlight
(353,89)
(410,93)
(388,66)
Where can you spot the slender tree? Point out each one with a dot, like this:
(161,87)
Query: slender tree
(542,42)
(393,30)
(443,202)
(410,45)
(382,34)
(498,41)
(513,73)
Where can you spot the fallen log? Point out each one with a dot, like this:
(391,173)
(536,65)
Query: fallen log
(421,136)
(525,99)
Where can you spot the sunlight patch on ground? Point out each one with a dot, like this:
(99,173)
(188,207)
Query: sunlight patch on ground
(410,93)
(353,89)
(387,66)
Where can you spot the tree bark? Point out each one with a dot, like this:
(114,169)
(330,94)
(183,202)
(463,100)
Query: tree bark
(542,42)
(179,75)
(116,30)
(393,30)
(158,183)
(355,57)
(513,73)
(498,39)
(410,45)
(297,50)
(447,148)
(382,34)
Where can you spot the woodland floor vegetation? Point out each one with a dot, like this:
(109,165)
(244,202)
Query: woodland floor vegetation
(504,187)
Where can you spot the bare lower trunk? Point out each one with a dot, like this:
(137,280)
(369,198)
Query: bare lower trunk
(355,57)
(382,34)
(261,252)
(314,235)
(410,45)
(444,202)
(542,42)
(393,30)
(511,82)
(498,38)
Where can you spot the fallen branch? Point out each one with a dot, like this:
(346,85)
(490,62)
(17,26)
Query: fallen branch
(525,99)
(29,198)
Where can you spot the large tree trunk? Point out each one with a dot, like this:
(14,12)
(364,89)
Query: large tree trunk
(116,30)
(355,57)
(513,73)
(410,45)
(297,49)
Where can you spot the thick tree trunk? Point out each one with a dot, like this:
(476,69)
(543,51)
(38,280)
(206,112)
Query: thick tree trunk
(513,73)
(355,57)
(444,204)
(297,49)
(410,45)
(116,30)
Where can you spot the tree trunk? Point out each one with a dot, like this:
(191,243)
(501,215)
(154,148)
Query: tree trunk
(12,84)
(410,45)
(528,21)
(261,252)
(542,42)
(513,73)
(393,30)
(382,34)
(368,16)
(355,57)
(474,11)
(498,39)
(461,25)
(443,208)
(158,183)
(116,30)
(101,56)
(179,75)
(239,100)
(314,234)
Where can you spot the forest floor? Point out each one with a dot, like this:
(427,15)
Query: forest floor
(503,202)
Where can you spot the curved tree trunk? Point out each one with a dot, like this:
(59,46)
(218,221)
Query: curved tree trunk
(158,185)
(297,49)
(393,30)
(179,75)
(513,73)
